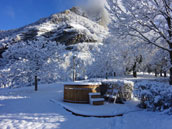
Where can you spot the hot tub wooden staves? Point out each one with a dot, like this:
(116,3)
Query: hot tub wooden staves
(79,92)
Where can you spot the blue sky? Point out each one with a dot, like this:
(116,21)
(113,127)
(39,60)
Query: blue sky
(17,13)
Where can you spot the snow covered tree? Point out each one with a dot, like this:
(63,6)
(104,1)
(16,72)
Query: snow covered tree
(161,64)
(147,20)
(29,59)
(79,60)
(108,61)
(129,55)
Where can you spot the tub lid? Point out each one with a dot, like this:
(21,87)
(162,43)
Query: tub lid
(82,83)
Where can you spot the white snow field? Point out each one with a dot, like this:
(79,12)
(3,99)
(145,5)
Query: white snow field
(23,108)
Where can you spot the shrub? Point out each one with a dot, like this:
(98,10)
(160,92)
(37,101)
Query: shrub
(154,96)
(117,90)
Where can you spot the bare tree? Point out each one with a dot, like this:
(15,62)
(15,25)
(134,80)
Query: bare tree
(148,20)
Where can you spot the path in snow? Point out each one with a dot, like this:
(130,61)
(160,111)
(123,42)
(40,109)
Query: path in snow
(106,110)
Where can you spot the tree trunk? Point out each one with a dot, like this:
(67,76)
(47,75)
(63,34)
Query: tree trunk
(156,73)
(170,79)
(134,74)
(36,83)
(74,69)
(169,23)
(114,74)
(106,75)
(160,73)
(165,74)
(73,75)
(134,70)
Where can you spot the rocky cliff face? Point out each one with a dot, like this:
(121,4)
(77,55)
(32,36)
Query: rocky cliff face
(69,27)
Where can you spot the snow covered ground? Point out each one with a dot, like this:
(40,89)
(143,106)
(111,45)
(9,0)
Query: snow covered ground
(25,109)
(140,77)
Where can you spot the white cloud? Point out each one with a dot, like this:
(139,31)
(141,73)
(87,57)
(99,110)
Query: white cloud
(96,3)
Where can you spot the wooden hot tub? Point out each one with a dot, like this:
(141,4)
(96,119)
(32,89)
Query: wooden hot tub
(77,92)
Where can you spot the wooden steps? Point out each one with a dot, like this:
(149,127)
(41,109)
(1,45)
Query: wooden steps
(96,99)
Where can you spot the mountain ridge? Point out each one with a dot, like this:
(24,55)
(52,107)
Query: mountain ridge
(69,27)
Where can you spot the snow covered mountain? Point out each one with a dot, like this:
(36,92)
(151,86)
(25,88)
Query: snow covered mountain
(69,27)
